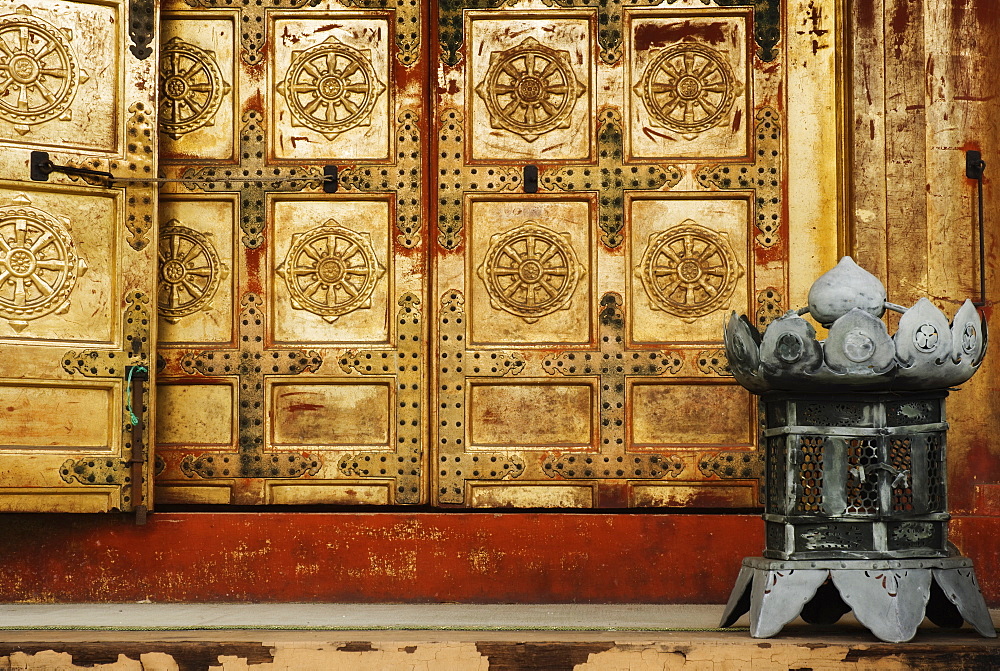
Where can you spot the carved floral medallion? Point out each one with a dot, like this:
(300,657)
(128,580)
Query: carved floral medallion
(688,88)
(191,88)
(530,89)
(39,265)
(530,271)
(689,270)
(331,88)
(190,271)
(331,271)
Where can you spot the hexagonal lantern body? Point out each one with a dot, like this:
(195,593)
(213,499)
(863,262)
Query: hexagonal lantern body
(855,476)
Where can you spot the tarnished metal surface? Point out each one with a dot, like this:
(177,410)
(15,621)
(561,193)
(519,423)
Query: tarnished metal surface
(888,597)
(75,265)
(856,476)
(656,135)
(286,274)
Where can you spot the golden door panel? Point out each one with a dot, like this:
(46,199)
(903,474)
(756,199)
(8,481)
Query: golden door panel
(531,270)
(197,276)
(688,260)
(198,99)
(530,87)
(331,79)
(302,322)
(76,257)
(64,84)
(689,84)
(62,266)
(331,270)
(610,188)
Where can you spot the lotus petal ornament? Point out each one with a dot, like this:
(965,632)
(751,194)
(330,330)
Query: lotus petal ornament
(789,345)
(926,352)
(859,344)
(968,336)
(743,351)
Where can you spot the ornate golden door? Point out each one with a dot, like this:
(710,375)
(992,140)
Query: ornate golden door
(558,203)
(610,181)
(292,281)
(76,254)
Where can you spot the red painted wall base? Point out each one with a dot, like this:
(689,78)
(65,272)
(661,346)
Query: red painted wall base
(398,557)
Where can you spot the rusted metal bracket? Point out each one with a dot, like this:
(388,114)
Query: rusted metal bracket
(137,377)
(530,179)
(975,166)
(141,28)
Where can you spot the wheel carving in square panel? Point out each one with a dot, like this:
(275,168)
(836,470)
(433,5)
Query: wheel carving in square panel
(689,80)
(332,89)
(531,276)
(196,80)
(196,277)
(530,87)
(689,259)
(59,74)
(58,258)
(332,270)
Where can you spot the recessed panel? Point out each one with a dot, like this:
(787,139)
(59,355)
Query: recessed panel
(195,494)
(194,414)
(330,79)
(717,495)
(197,270)
(62,80)
(530,271)
(331,271)
(198,86)
(688,85)
(531,416)
(530,87)
(690,414)
(530,496)
(332,414)
(57,416)
(60,274)
(688,266)
(288,494)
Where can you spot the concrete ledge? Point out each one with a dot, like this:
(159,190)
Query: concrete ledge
(799,647)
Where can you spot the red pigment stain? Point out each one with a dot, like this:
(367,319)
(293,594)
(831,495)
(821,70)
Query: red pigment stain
(297,407)
(649,35)
(253,269)
(865,11)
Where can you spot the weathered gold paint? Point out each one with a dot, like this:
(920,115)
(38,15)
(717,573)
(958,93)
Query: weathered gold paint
(319,414)
(78,265)
(691,415)
(667,192)
(195,414)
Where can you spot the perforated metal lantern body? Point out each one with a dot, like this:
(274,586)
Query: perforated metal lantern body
(859,476)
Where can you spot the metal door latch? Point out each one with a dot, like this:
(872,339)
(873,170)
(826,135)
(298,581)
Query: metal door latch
(42,167)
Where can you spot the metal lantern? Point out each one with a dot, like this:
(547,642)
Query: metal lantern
(855,442)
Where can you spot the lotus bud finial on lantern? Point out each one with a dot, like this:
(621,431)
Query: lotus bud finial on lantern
(854,440)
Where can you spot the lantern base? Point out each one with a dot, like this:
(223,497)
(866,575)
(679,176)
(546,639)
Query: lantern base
(889,597)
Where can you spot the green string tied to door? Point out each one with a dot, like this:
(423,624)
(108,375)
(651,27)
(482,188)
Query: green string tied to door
(128,392)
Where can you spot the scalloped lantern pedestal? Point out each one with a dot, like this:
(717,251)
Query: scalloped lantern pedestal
(856,515)
(890,596)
